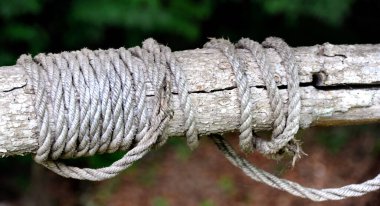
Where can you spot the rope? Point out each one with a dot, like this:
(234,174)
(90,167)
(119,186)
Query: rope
(97,100)
(228,49)
(89,102)
(293,188)
(284,128)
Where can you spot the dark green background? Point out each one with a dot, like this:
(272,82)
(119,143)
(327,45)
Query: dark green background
(33,26)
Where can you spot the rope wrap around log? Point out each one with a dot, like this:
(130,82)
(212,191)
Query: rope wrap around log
(97,100)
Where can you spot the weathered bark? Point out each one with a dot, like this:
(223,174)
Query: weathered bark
(339,85)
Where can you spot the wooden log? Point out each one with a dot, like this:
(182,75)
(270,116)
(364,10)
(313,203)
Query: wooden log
(339,86)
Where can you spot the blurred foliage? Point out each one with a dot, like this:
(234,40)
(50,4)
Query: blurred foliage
(19,180)
(207,203)
(227,185)
(11,9)
(335,139)
(103,160)
(102,194)
(172,17)
(148,178)
(160,201)
(33,26)
(181,150)
(330,12)
(376,148)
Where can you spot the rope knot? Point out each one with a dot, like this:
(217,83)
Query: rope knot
(286,119)
(90,102)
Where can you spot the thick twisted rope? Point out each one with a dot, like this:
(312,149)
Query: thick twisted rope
(284,128)
(293,188)
(246,136)
(98,103)
(284,140)
(97,100)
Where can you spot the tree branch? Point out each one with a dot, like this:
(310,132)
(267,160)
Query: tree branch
(340,85)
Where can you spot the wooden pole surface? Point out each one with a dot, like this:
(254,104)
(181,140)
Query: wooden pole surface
(340,85)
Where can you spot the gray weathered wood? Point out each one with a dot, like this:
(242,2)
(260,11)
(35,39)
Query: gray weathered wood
(340,85)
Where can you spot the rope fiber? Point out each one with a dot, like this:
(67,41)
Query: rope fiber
(93,102)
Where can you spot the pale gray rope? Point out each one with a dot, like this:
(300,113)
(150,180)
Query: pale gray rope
(285,139)
(284,126)
(154,61)
(276,102)
(286,123)
(98,103)
(246,137)
(293,188)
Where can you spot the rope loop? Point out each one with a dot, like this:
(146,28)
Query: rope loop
(89,102)
(98,103)
(286,120)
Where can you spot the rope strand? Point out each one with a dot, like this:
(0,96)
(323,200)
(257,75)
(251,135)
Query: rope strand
(90,102)
(246,136)
(98,104)
(293,188)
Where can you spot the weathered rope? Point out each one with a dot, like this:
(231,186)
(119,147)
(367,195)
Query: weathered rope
(293,188)
(97,102)
(284,128)
(228,49)
(283,133)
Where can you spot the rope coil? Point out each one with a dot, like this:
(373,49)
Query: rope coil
(97,100)
(98,103)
